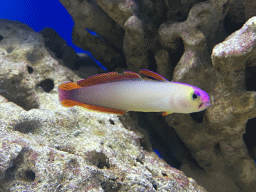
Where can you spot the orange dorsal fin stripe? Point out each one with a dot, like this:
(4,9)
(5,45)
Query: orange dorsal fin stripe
(70,103)
(108,77)
(69,86)
(152,74)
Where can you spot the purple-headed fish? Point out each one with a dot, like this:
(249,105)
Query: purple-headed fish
(118,93)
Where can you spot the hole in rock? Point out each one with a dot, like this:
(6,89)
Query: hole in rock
(9,49)
(217,149)
(179,14)
(110,186)
(9,173)
(1,38)
(176,52)
(27,126)
(73,162)
(231,26)
(198,116)
(47,85)
(30,175)
(30,69)
(140,160)
(99,159)
(250,75)
(111,121)
(249,137)
(151,61)
(154,185)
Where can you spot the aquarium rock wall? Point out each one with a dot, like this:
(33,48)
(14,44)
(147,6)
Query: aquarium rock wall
(208,44)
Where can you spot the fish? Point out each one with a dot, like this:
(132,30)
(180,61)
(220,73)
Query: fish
(118,93)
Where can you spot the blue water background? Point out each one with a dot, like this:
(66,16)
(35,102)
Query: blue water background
(39,14)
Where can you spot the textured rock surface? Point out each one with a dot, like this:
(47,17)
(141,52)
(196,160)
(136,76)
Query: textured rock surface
(176,39)
(47,147)
(217,142)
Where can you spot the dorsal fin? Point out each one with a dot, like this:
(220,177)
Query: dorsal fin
(108,77)
(152,74)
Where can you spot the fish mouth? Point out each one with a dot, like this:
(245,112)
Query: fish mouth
(206,104)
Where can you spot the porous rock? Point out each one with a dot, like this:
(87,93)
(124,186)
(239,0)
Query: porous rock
(217,141)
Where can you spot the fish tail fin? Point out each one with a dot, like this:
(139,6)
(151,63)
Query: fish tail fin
(65,93)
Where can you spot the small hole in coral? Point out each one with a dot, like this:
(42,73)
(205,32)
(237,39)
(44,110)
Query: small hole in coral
(250,75)
(198,116)
(155,186)
(99,159)
(9,173)
(111,186)
(179,14)
(217,149)
(47,85)
(232,26)
(30,175)
(14,81)
(27,126)
(139,160)
(164,174)
(30,69)
(152,61)
(1,38)
(111,121)
(249,137)
(73,162)
(9,49)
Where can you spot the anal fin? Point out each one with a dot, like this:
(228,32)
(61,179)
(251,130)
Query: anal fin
(70,103)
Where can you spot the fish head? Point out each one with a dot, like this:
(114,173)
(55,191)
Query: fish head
(192,99)
(200,99)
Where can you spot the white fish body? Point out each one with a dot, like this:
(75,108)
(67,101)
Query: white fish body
(105,93)
(137,95)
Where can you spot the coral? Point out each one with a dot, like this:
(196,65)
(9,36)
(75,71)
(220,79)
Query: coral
(217,142)
(53,148)
(176,39)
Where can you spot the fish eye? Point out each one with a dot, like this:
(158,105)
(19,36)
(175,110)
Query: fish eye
(195,95)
